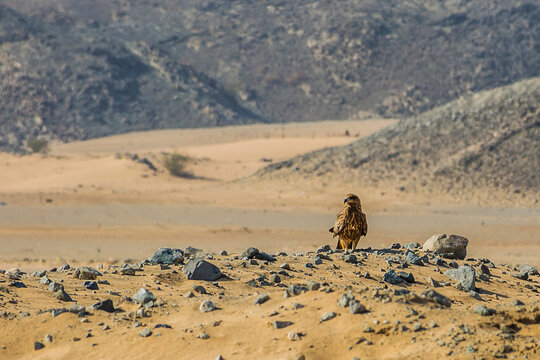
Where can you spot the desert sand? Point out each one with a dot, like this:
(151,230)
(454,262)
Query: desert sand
(93,202)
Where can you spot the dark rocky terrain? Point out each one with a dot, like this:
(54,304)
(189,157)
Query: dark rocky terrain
(76,70)
(489,140)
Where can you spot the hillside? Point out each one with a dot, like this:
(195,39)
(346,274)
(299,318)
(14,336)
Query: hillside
(489,140)
(76,70)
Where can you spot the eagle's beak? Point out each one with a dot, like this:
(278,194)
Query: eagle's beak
(345,200)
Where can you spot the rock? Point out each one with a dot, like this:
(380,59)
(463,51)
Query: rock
(105,305)
(324,248)
(528,269)
(470,349)
(475,295)
(162,326)
(368,329)
(127,270)
(281,324)
(317,260)
(91,285)
(62,295)
(350,258)
(309,265)
(207,306)
(412,258)
(346,299)
(203,336)
(192,252)
(253,262)
(48,339)
(275,279)
(45,280)
(454,264)
(56,286)
(285,266)
(143,296)
(392,278)
(56,312)
(295,290)
(64,267)
(17,284)
(413,245)
(356,307)
(447,244)
(189,294)
(38,345)
(261,299)
(328,316)
(297,306)
(265,257)
(294,336)
(200,289)
(521,276)
(249,253)
(39,273)
(432,282)
(167,256)
(517,303)
(87,273)
(396,246)
(465,275)
(313,285)
(434,296)
(198,269)
(77,309)
(145,333)
(408,277)
(484,311)
(223,253)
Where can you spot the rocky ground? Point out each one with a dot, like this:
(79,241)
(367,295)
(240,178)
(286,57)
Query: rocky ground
(397,302)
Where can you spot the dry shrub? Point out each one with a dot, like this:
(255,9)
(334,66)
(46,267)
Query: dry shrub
(176,164)
(38,145)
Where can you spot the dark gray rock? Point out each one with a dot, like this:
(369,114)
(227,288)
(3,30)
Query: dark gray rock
(128,270)
(64,267)
(392,278)
(528,269)
(447,244)
(412,258)
(91,285)
(465,275)
(62,295)
(261,299)
(249,253)
(324,248)
(285,266)
(408,277)
(200,289)
(198,269)
(517,303)
(56,286)
(484,311)
(317,260)
(207,306)
(434,296)
(521,276)
(105,305)
(223,253)
(356,307)
(345,299)
(413,245)
(294,290)
(167,256)
(38,345)
(265,257)
(281,324)
(45,280)
(350,258)
(87,273)
(275,279)
(39,273)
(191,252)
(17,284)
(56,312)
(143,296)
(395,246)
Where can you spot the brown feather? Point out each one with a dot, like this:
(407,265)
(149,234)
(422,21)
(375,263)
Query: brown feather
(350,224)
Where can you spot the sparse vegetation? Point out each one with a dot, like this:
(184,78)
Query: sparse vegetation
(176,163)
(38,145)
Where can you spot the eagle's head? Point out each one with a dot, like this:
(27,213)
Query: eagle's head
(352,199)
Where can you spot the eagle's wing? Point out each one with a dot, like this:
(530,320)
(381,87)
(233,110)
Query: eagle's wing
(339,224)
(363,224)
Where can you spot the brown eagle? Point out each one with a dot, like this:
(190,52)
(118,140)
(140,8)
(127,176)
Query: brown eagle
(350,224)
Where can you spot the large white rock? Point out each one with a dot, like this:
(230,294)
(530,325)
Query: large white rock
(447,244)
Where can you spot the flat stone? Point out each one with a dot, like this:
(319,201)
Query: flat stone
(76,309)
(105,305)
(324,248)
(295,290)
(91,285)
(261,299)
(87,273)
(207,306)
(249,253)
(313,285)
(143,296)
(198,269)
(265,257)
(412,258)
(62,295)
(191,252)
(39,273)
(328,316)
(38,345)
(167,256)
(145,333)
(484,311)
(281,324)
(523,268)
(521,276)
(350,258)
(56,286)
(465,275)
(391,277)
(447,244)
(127,270)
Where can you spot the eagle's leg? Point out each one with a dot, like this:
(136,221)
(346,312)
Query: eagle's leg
(341,244)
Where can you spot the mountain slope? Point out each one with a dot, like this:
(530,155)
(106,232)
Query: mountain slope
(487,140)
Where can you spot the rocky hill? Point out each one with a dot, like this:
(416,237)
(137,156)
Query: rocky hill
(75,70)
(487,140)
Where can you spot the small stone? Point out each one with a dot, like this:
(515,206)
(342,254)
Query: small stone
(48,339)
(392,278)
(45,280)
(62,295)
(275,279)
(223,253)
(350,258)
(484,311)
(356,307)
(167,256)
(127,270)
(309,265)
(324,248)
(470,349)
(189,294)
(105,305)
(432,282)
(475,295)
(368,329)
(261,299)
(56,312)
(64,267)
(517,303)
(198,269)
(345,299)
(253,262)
(411,246)
(408,277)
(395,246)
(39,273)
(56,286)
(91,285)
(313,285)
(38,345)
(418,327)
(17,284)
(281,324)
(87,273)
(207,306)
(412,258)
(200,289)
(143,296)
(317,260)
(285,266)
(249,253)
(521,276)
(465,275)
(447,244)
(434,296)
(328,316)
(106,327)
(145,333)
(294,336)
(76,309)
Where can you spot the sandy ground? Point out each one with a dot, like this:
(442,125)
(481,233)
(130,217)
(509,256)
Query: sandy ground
(95,202)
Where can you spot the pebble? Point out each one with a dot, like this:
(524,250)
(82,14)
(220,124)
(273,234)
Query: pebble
(189,294)
(198,269)
(297,306)
(56,286)
(275,279)
(328,316)
(392,278)
(345,299)
(200,289)
(294,336)
(87,273)
(137,324)
(203,336)
(207,306)
(38,345)
(143,296)
(105,305)
(313,285)
(145,332)
(261,299)
(281,324)
(91,285)
(356,307)
(285,266)
(521,276)
(517,303)
(484,311)
(62,295)
(48,339)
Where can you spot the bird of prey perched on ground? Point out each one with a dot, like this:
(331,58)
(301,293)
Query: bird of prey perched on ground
(350,224)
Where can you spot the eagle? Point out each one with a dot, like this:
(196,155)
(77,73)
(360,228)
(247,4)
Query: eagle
(351,223)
